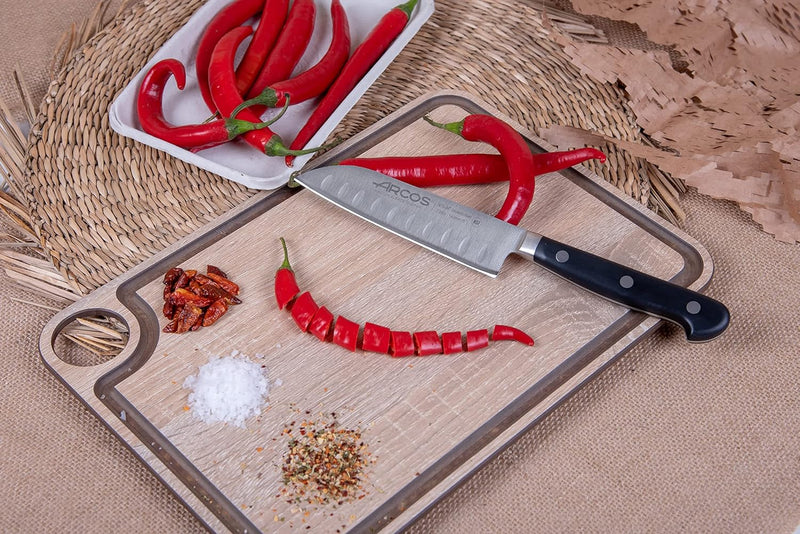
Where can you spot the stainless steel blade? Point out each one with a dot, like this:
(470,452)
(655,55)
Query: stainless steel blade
(458,232)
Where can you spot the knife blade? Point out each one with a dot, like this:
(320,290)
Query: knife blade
(482,242)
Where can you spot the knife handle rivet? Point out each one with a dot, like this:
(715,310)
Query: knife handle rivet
(562,256)
(626,282)
(693,307)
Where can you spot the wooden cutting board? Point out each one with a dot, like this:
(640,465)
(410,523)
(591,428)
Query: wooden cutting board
(428,422)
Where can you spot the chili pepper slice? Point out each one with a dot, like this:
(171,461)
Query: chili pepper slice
(477,339)
(303,310)
(314,81)
(229,17)
(364,57)
(376,338)
(345,333)
(286,288)
(515,152)
(401,344)
(222,81)
(192,137)
(452,342)
(509,333)
(321,323)
(269,28)
(466,169)
(427,343)
(289,48)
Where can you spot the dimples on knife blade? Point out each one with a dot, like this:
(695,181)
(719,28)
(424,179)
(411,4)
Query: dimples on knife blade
(463,234)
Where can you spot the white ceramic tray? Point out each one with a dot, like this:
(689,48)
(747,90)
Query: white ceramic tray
(238,161)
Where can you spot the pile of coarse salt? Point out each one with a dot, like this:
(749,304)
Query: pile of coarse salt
(228,390)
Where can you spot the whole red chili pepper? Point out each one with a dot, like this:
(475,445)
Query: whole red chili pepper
(269,27)
(512,148)
(289,48)
(229,17)
(464,169)
(222,80)
(364,57)
(193,137)
(314,81)
(286,288)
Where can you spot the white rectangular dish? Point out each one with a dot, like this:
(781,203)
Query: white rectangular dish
(238,161)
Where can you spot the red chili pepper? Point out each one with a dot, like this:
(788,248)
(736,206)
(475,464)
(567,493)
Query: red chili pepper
(345,333)
(269,27)
(314,81)
(376,338)
(509,333)
(229,17)
(303,310)
(222,80)
(402,344)
(289,48)
(515,152)
(427,343)
(364,57)
(286,288)
(321,323)
(452,342)
(465,169)
(193,137)
(477,339)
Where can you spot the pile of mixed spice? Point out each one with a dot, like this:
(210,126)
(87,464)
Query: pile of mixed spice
(325,463)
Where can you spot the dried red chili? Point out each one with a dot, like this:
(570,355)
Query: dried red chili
(376,338)
(364,57)
(193,300)
(289,48)
(222,81)
(312,82)
(512,148)
(229,17)
(465,169)
(194,137)
(269,28)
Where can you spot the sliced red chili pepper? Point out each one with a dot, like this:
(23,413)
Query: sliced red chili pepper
(321,323)
(452,342)
(314,81)
(515,152)
(222,81)
(364,57)
(229,17)
(269,27)
(286,288)
(303,310)
(214,312)
(289,48)
(509,333)
(376,338)
(193,137)
(477,339)
(345,333)
(401,344)
(427,343)
(464,169)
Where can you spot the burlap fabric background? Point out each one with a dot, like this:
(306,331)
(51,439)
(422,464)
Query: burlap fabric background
(672,437)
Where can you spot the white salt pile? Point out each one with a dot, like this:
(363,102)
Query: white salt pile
(228,390)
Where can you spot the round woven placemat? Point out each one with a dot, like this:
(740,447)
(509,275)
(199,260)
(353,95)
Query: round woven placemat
(101,203)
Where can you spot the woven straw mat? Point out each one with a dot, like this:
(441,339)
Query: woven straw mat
(102,203)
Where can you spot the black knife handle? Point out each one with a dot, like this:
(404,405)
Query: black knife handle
(701,317)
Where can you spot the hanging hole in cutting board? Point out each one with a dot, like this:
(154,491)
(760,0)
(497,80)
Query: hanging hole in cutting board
(92,338)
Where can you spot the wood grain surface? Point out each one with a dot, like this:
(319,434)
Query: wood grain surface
(427,421)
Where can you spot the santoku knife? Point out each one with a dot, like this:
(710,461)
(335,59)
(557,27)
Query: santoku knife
(483,243)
